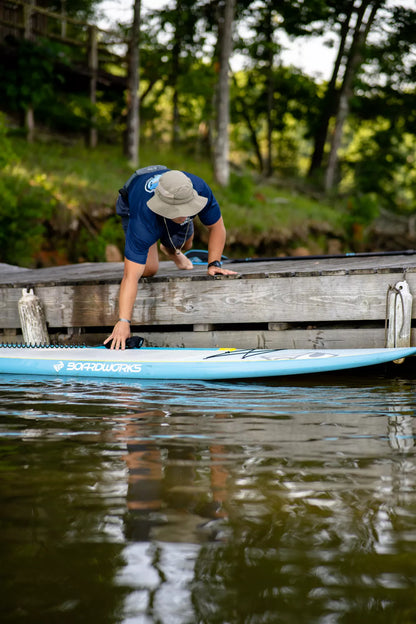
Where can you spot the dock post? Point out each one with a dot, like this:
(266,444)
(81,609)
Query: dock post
(32,319)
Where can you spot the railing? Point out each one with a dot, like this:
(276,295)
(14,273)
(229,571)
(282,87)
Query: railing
(25,20)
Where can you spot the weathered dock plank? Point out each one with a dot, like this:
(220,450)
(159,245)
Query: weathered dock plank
(338,302)
(185,301)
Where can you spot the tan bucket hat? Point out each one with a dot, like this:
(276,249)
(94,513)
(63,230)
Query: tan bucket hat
(176,197)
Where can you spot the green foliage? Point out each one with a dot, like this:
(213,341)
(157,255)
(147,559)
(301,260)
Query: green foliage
(380,157)
(25,206)
(275,116)
(68,192)
(94,248)
(361,210)
(6,151)
(290,112)
(381,161)
(241,190)
(40,75)
(22,221)
(75,115)
(81,9)
(29,79)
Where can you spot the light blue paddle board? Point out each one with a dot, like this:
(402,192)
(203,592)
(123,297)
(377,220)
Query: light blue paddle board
(157,363)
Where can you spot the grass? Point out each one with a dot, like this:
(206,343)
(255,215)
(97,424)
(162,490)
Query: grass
(261,217)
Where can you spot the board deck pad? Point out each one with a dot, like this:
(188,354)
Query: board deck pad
(182,363)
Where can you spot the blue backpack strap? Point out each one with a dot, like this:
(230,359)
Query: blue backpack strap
(122,203)
(124,191)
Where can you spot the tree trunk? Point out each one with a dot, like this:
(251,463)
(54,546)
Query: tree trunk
(270,93)
(28,34)
(30,124)
(93,67)
(63,20)
(244,112)
(176,51)
(133,126)
(253,136)
(221,152)
(354,60)
(330,101)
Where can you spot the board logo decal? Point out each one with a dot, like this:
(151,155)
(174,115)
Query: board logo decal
(103,367)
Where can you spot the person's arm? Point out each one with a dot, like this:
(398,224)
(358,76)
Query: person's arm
(216,242)
(128,291)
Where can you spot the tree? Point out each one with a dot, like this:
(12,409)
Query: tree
(182,48)
(365,17)
(382,113)
(268,95)
(262,51)
(329,101)
(221,151)
(29,81)
(285,119)
(133,127)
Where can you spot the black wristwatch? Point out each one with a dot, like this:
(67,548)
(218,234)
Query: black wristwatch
(215,263)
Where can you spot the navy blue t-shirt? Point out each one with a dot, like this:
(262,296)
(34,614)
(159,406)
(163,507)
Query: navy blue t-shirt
(146,227)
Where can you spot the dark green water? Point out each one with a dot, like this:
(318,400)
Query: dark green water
(173,503)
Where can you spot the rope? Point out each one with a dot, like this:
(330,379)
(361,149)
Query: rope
(24,345)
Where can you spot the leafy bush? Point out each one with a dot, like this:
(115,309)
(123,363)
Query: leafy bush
(362,210)
(28,77)
(93,249)
(24,208)
(241,189)
(23,212)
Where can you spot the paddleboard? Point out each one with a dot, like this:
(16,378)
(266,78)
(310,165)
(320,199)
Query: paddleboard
(204,364)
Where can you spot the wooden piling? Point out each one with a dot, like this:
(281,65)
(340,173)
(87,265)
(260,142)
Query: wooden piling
(32,319)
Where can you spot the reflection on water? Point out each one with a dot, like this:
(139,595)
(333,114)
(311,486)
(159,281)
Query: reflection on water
(151,502)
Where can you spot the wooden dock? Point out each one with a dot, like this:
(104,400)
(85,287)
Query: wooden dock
(321,302)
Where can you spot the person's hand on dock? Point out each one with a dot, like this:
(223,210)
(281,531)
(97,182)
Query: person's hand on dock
(218,270)
(119,335)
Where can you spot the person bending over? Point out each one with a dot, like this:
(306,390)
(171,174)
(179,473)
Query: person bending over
(158,204)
